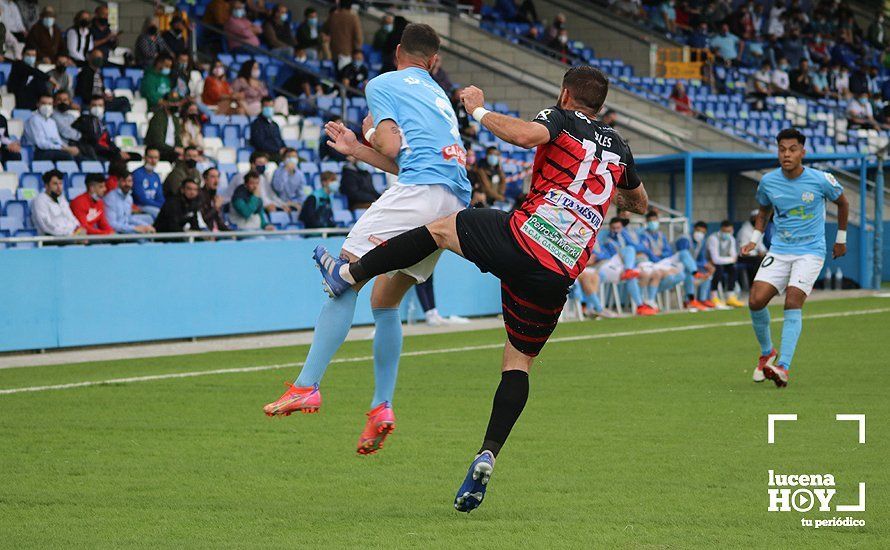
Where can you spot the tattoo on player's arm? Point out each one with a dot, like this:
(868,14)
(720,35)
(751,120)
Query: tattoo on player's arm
(636,200)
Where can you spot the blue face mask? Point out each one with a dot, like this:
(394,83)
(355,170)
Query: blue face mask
(652,226)
(283,17)
(724,236)
(165,71)
(313,22)
(387,28)
(30,60)
(268,112)
(238,13)
(334,187)
(492,160)
(863,100)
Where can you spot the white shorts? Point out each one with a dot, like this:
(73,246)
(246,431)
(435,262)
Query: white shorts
(784,270)
(400,209)
(610,271)
(670,264)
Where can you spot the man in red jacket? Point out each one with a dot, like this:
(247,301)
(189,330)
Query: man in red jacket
(89,209)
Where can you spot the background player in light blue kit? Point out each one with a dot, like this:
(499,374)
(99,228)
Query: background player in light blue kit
(797,194)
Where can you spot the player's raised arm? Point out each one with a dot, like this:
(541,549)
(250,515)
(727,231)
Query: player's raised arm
(510,129)
(343,140)
(843,213)
(759,225)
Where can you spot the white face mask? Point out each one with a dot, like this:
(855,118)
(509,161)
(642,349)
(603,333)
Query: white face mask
(255,74)
(45,110)
(291,161)
(149,168)
(698,236)
(97,112)
(219,71)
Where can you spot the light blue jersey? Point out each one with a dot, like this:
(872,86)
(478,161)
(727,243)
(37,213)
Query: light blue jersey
(799,209)
(432,152)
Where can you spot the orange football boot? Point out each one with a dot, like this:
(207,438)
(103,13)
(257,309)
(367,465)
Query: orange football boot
(381,422)
(306,399)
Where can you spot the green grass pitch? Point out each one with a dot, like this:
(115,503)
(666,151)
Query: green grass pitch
(657,440)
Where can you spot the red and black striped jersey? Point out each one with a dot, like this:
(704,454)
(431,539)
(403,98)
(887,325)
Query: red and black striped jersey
(574,178)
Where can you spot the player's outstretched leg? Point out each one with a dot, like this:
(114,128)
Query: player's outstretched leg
(761,294)
(387,349)
(791,328)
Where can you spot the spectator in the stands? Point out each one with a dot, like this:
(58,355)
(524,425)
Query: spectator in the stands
(723,253)
(247,210)
(843,53)
(668,16)
(11,17)
(259,163)
(680,100)
(183,78)
(801,81)
(389,49)
(355,74)
(58,75)
(325,151)
(217,13)
(95,135)
(793,48)
(174,40)
(90,82)
(240,31)
(148,45)
(249,84)
(609,117)
(781,81)
(382,34)
(477,197)
(819,50)
(699,37)
(357,185)
(727,45)
(117,170)
(559,21)
(860,113)
(760,86)
(79,38)
(288,181)
(265,135)
(750,262)
(303,83)
(89,209)
(10,148)
(317,211)
(184,169)
(148,192)
(165,129)
(492,174)
(840,81)
(277,33)
(192,127)
(42,132)
(345,29)
(50,211)
(218,92)
(46,37)
(210,202)
(156,82)
(559,47)
(119,208)
(819,78)
(65,114)
(526,12)
(859,81)
(181,212)
(437,71)
(875,33)
(256,9)
(311,38)
(103,37)
(26,82)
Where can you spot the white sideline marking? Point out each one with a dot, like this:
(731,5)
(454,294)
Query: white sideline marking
(419,353)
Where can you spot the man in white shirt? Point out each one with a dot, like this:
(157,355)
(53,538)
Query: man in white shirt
(860,114)
(79,38)
(780,80)
(759,85)
(723,253)
(50,211)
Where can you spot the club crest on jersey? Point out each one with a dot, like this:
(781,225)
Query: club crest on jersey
(455,151)
(585,212)
(807,197)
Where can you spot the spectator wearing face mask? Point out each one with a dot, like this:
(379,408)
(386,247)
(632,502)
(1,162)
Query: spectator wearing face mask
(345,29)
(10,149)
(210,202)
(174,41)
(46,37)
(50,211)
(26,82)
(165,128)
(65,116)
(253,89)
(147,46)
(248,211)
(181,211)
(59,74)
(723,253)
(192,127)
(311,38)
(559,47)
(11,17)
(781,81)
(89,209)
(90,82)
(156,83)
(317,211)
(265,135)
(119,208)
(288,181)
(277,33)
(259,164)
(698,288)
(104,38)
(240,31)
(356,184)
(382,34)
(42,133)
(148,193)
(96,136)
(355,74)
(184,169)
(494,181)
(79,38)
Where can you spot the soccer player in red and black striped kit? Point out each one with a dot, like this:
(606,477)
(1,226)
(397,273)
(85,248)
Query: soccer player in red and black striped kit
(538,250)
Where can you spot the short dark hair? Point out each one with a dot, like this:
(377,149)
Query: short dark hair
(327,175)
(52,174)
(97,98)
(421,40)
(190,148)
(267,99)
(187,181)
(152,148)
(725,223)
(206,173)
(289,150)
(163,57)
(616,219)
(700,224)
(251,175)
(651,214)
(309,11)
(588,86)
(60,92)
(791,133)
(94,178)
(492,147)
(256,155)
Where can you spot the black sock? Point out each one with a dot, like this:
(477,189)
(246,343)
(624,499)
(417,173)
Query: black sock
(690,297)
(509,401)
(398,252)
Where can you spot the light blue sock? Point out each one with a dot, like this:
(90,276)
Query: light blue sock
(760,320)
(790,333)
(594,301)
(387,349)
(629,257)
(331,329)
(633,289)
(688,284)
(704,290)
(688,261)
(652,292)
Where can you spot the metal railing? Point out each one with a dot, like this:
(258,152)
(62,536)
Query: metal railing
(188,236)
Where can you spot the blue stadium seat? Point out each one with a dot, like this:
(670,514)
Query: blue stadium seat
(17,166)
(31,180)
(76,179)
(244,154)
(67,166)
(16,209)
(21,114)
(128,129)
(211,130)
(279,219)
(231,136)
(91,166)
(124,83)
(330,166)
(11,224)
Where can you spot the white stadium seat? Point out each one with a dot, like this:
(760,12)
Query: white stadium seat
(226,155)
(9,180)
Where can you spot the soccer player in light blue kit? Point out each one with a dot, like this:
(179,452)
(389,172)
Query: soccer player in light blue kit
(797,252)
(413,132)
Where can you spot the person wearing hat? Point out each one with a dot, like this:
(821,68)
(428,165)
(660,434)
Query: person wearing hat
(165,128)
(46,37)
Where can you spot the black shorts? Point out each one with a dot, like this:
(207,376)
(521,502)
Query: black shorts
(532,296)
